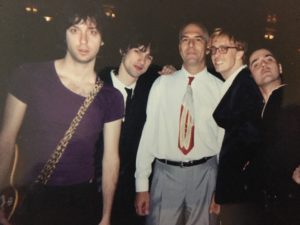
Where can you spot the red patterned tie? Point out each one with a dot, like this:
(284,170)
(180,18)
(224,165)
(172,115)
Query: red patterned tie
(186,121)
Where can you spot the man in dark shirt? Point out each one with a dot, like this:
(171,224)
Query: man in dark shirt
(133,78)
(280,154)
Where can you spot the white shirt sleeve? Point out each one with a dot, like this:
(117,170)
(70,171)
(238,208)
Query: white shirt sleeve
(148,141)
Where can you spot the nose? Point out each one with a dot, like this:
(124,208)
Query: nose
(83,38)
(142,59)
(191,43)
(217,53)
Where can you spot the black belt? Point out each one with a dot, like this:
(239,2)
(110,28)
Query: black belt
(184,164)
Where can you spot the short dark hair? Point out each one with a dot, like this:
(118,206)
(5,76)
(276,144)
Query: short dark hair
(252,49)
(74,11)
(198,24)
(135,39)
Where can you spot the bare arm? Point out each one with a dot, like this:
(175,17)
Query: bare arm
(110,167)
(14,112)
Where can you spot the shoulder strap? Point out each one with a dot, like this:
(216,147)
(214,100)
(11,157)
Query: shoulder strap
(50,165)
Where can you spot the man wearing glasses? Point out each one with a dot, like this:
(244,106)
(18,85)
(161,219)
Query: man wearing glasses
(238,113)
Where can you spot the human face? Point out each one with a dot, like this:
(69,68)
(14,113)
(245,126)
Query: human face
(192,45)
(136,61)
(264,68)
(83,41)
(226,63)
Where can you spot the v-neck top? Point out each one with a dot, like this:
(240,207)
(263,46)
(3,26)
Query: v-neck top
(50,109)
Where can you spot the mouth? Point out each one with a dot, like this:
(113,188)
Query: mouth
(138,68)
(191,53)
(83,51)
(218,62)
(266,72)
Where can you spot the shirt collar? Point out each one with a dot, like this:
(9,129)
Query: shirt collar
(187,74)
(227,83)
(119,85)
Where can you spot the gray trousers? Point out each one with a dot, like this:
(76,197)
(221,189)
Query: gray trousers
(181,196)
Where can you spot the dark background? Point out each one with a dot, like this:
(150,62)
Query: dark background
(27,37)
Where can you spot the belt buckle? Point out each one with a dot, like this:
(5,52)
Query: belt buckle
(182,164)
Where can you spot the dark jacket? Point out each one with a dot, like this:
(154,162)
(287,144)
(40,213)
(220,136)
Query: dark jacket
(239,113)
(281,150)
(132,126)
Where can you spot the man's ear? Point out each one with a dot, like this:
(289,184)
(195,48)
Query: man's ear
(280,68)
(121,52)
(240,54)
(207,51)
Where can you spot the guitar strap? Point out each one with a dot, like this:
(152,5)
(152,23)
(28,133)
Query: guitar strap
(50,165)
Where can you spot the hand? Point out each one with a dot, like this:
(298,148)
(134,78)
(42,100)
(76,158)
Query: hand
(104,221)
(142,203)
(214,207)
(296,175)
(167,70)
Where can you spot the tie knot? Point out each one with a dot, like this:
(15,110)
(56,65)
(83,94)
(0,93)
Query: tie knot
(191,80)
(129,92)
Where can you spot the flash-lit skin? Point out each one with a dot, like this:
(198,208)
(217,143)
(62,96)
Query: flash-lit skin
(265,70)
(226,64)
(135,62)
(83,42)
(192,48)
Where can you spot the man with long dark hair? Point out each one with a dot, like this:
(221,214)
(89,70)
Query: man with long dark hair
(43,99)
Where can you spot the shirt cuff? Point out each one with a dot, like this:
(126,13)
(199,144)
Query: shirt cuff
(141,185)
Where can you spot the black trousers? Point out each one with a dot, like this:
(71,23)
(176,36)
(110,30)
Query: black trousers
(241,214)
(123,212)
(61,205)
(282,210)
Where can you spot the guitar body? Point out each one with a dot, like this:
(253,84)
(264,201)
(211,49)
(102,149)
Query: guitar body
(10,197)
(9,201)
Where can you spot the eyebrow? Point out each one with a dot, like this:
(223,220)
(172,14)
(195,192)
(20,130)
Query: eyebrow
(143,48)
(90,26)
(201,36)
(267,55)
(253,61)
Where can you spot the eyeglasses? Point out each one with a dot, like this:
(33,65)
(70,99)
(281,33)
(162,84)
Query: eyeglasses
(222,49)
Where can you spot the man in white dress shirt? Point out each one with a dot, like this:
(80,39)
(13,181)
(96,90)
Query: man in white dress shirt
(183,180)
